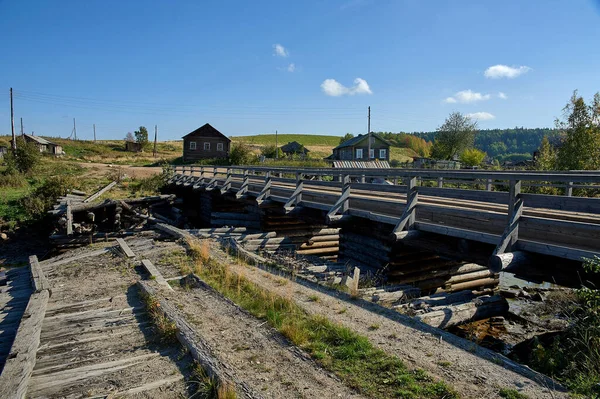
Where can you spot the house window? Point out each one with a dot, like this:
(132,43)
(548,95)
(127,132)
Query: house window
(358,153)
(192,145)
(382,153)
(219,146)
(206,146)
(372,153)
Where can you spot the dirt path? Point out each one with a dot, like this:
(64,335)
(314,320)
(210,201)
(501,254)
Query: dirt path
(131,171)
(256,353)
(471,375)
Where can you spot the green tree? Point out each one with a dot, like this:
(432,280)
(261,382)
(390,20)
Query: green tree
(241,154)
(472,157)
(546,159)
(346,137)
(580,148)
(455,136)
(25,158)
(141,136)
(271,151)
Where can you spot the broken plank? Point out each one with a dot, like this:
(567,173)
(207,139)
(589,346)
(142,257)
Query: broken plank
(37,275)
(128,252)
(155,274)
(100,192)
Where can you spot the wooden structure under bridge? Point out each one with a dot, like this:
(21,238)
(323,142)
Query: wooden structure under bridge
(495,208)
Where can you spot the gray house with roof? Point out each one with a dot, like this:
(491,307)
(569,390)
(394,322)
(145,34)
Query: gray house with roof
(357,148)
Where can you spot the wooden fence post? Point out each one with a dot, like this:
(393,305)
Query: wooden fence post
(407,220)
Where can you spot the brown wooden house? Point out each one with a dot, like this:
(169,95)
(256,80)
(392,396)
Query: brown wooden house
(357,148)
(204,143)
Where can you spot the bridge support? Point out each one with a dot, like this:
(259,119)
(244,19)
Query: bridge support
(296,198)
(407,220)
(266,191)
(244,188)
(342,204)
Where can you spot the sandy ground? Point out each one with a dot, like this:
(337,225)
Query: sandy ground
(131,171)
(461,367)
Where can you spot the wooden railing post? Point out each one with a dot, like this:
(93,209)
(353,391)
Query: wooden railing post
(296,197)
(488,185)
(407,220)
(509,238)
(227,184)
(569,189)
(266,191)
(440,182)
(244,188)
(342,205)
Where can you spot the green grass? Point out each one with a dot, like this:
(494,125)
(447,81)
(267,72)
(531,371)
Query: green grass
(338,349)
(511,394)
(304,139)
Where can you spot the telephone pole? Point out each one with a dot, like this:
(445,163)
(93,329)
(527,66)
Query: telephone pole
(155,138)
(74,129)
(22,134)
(12,123)
(369,133)
(276,146)
(94,132)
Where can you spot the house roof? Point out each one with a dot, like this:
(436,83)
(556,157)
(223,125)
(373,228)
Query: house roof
(355,140)
(207,130)
(38,139)
(293,147)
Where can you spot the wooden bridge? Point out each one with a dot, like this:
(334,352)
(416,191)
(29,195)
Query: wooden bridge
(506,210)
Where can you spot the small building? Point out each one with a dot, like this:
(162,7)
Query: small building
(356,149)
(204,143)
(294,148)
(132,146)
(43,144)
(430,163)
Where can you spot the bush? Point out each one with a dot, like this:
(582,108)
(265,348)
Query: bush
(156,182)
(472,157)
(13,179)
(241,154)
(271,151)
(43,198)
(26,157)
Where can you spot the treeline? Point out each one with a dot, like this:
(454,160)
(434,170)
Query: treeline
(502,144)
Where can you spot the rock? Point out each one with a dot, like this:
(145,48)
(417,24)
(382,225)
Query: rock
(538,297)
(3,236)
(523,294)
(509,293)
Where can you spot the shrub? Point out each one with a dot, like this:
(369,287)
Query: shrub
(11,178)
(271,151)
(42,198)
(472,157)
(241,154)
(26,157)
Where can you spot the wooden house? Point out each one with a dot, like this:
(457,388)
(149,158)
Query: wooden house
(44,145)
(132,146)
(357,148)
(204,143)
(294,148)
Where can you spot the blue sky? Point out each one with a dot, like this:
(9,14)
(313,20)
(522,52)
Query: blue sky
(252,67)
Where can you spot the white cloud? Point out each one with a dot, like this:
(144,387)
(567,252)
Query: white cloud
(280,51)
(467,96)
(291,67)
(502,96)
(504,71)
(482,116)
(332,87)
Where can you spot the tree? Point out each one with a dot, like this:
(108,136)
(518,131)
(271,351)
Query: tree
(472,157)
(455,136)
(546,159)
(141,136)
(129,137)
(580,147)
(241,154)
(346,137)
(270,151)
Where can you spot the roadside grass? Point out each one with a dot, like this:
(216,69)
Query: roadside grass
(511,394)
(304,139)
(165,329)
(338,349)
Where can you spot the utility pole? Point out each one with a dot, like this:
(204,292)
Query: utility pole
(22,134)
(155,138)
(12,123)
(369,133)
(94,132)
(74,129)
(276,146)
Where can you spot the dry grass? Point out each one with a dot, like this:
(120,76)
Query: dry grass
(165,328)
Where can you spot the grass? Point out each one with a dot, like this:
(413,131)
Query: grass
(208,388)
(165,329)
(338,349)
(511,394)
(304,139)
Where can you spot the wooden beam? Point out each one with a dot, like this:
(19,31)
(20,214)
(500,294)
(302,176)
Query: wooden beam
(125,248)
(244,188)
(295,198)
(37,275)
(342,204)
(16,374)
(100,192)
(407,220)
(155,274)
(69,218)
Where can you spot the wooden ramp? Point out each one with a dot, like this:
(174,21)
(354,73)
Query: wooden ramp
(15,290)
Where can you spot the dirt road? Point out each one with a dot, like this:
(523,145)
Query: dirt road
(131,171)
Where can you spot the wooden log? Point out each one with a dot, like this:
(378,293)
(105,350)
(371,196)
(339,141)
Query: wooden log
(125,248)
(406,235)
(448,269)
(100,192)
(235,223)
(37,275)
(508,259)
(393,297)
(272,247)
(199,349)
(258,236)
(477,275)
(234,216)
(155,274)
(172,230)
(21,360)
(324,244)
(219,230)
(365,241)
(69,219)
(442,299)
(478,309)
(318,251)
(484,282)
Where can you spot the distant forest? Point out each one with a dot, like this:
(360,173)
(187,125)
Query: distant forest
(502,144)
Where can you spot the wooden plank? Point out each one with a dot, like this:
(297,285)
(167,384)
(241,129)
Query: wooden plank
(14,379)
(460,233)
(172,230)
(571,204)
(69,219)
(100,192)
(556,250)
(156,275)
(37,275)
(128,252)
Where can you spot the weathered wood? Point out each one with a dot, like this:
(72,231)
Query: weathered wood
(69,219)
(198,348)
(478,309)
(125,248)
(174,231)
(37,275)
(100,192)
(15,376)
(318,251)
(442,299)
(468,285)
(155,274)
(393,297)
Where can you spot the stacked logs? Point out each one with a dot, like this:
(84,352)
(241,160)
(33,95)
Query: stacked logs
(219,211)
